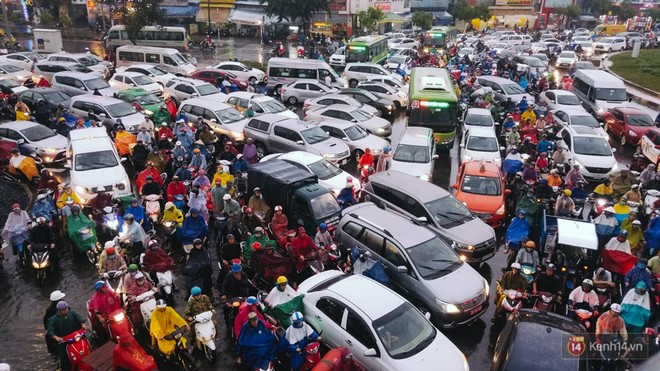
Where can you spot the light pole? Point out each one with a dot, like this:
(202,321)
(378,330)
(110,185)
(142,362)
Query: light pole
(209,16)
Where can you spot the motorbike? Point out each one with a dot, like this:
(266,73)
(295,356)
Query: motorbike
(115,281)
(312,355)
(109,228)
(545,301)
(90,245)
(586,316)
(152,208)
(166,285)
(147,306)
(511,302)
(118,324)
(77,348)
(598,203)
(527,271)
(365,171)
(205,335)
(181,354)
(205,45)
(40,261)
(334,255)
(19,239)
(169,230)
(234,305)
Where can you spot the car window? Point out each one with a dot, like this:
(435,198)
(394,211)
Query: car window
(393,255)
(232,100)
(300,86)
(356,327)
(566,137)
(13,135)
(617,115)
(313,87)
(373,241)
(331,113)
(550,95)
(331,308)
(352,229)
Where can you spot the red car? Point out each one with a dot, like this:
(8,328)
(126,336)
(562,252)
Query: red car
(629,124)
(211,75)
(480,187)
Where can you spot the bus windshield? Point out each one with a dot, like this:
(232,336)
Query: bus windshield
(439,119)
(434,39)
(357,54)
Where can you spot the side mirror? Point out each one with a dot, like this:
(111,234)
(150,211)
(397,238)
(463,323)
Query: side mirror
(435,157)
(462,145)
(83,88)
(151,75)
(630,99)
(502,148)
(371,352)
(353,120)
(455,186)
(507,192)
(422,219)
(20,141)
(345,139)
(300,142)
(102,114)
(613,150)
(67,166)
(123,159)
(427,315)
(402,269)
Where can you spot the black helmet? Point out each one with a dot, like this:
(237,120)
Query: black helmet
(197,241)
(75,209)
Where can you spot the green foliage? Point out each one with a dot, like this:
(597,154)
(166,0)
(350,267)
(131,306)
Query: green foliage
(643,70)
(142,13)
(65,21)
(654,14)
(465,12)
(423,20)
(46,18)
(295,9)
(370,18)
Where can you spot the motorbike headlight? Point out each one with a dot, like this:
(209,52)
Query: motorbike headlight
(113,224)
(501,210)
(447,307)
(118,317)
(35,265)
(486,289)
(80,189)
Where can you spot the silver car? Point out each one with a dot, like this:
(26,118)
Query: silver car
(303,89)
(339,112)
(330,99)
(394,96)
(415,153)
(357,139)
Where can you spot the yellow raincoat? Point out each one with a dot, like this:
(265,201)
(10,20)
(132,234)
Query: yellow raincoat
(123,140)
(162,323)
(174,215)
(224,178)
(61,201)
(22,116)
(25,164)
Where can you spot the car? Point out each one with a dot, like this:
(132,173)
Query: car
(467,52)
(419,263)
(107,110)
(357,139)
(535,64)
(415,153)
(9,71)
(47,144)
(242,71)
(330,176)
(129,80)
(338,58)
(277,134)
(631,36)
(149,101)
(93,162)
(610,44)
(47,69)
(225,121)
(627,124)
(579,117)
(498,47)
(481,144)
(51,96)
(330,99)
(480,187)
(389,80)
(477,117)
(9,87)
(539,47)
(366,97)
(22,60)
(581,39)
(81,83)
(356,312)
(561,99)
(398,61)
(394,35)
(90,61)
(357,72)
(212,75)
(587,48)
(504,89)
(404,42)
(649,145)
(413,53)
(584,65)
(396,97)
(182,88)
(566,59)
(156,73)
(513,351)
(542,57)
(588,149)
(339,112)
(553,41)
(300,90)
(260,104)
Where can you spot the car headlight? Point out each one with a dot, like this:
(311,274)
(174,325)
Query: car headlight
(329,155)
(20,77)
(50,151)
(447,307)
(486,288)
(464,246)
(425,177)
(80,189)
(381,130)
(632,133)
(389,106)
(238,135)
(501,210)
(497,160)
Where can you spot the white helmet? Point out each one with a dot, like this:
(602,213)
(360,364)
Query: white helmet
(108,244)
(515,265)
(615,308)
(56,295)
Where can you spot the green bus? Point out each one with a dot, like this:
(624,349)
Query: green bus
(371,49)
(439,37)
(433,104)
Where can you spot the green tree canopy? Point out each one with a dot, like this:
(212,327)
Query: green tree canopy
(141,13)
(601,7)
(295,9)
(465,12)
(370,18)
(624,10)
(423,20)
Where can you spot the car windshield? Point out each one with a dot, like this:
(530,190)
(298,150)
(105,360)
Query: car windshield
(156,71)
(179,59)
(413,332)
(324,169)
(397,59)
(448,211)
(55,97)
(361,116)
(37,133)
(97,83)
(586,120)
(325,206)
(88,62)
(120,109)
(479,120)
(80,68)
(229,115)
(592,146)
(95,160)
(147,99)
(314,135)
(567,55)
(614,95)
(142,80)
(207,89)
(639,120)
(587,44)
(272,106)
(483,144)
(355,133)
(513,89)
(568,100)
(542,57)
(10,68)
(410,153)
(481,185)
(585,66)
(9,83)
(434,258)
(534,62)
(369,95)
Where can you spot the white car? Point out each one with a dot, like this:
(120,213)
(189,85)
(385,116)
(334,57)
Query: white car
(397,60)
(338,58)
(372,124)
(553,41)
(566,59)
(561,99)
(578,117)
(47,144)
(389,80)
(330,99)
(300,90)
(403,43)
(9,71)
(394,96)
(499,47)
(154,72)
(242,71)
(261,104)
(539,47)
(542,57)
(469,52)
(650,145)
(610,44)
(477,117)
(21,60)
(182,88)
(480,143)
(355,137)
(588,149)
(415,154)
(580,39)
(330,176)
(356,312)
(129,80)
(587,47)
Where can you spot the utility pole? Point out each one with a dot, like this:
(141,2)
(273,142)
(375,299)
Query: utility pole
(209,16)
(8,35)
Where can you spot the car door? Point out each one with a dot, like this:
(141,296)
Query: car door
(561,118)
(649,149)
(279,141)
(313,91)
(358,338)
(393,259)
(618,124)
(328,316)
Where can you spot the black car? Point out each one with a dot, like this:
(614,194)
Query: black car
(533,340)
(51,96)
(367,97)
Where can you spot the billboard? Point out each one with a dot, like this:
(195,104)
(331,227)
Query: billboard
(337,5)
(520,3)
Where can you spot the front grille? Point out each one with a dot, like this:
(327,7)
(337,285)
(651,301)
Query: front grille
(59,157)
(600,47)
(598,170)
(108,188)
(483,216)
(483,249)
(471,303)
(343,154)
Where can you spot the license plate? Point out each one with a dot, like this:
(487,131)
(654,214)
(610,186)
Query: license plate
(475,310)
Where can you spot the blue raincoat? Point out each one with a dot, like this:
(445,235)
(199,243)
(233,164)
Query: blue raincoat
(518,229)
(257,345)
(652,236)
(45,208)
(193,227)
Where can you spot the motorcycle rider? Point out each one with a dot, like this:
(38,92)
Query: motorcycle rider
(140,286)
(554,179)
(217,193)
(565,205)
(175,188)
(44,207)
(172,214)
(234,284)
(55,297)
(151,187)
(42,234)
(113,262)
(47,181)
(635,237)
(62,324)
(17,224)
(140,153)
(346,196)
(574,176)
(179,151)
(298,336)
(198,160)
(101,305)
(281,293)
(201,181)
(512,137)
(633,194)
(611,322)
(229,252)
(251,221)
(156,260)
(528,255)
(619,243)
(606,224)
(251,306)
(583,297)
(258,204)
(198,303)
(233,210)
(637,274)
(604,189)
(101,200)
(636,308)
(254,340)
(323,237)
(133,232)
(163,322)
(511,280)
(548,282)
(198,268)
(257,236)
(66,194)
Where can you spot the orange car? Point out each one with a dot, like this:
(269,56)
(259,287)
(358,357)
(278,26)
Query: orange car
(480,186)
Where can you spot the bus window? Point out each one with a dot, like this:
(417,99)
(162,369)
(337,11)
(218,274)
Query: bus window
(176,36)
(130,56)
(168,60)
(162,35)
(124,35)
(145,35)
(438,119)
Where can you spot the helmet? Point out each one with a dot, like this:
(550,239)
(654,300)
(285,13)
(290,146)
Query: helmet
(623,233)
(616,308)
(251,300)
(98,285)
(259,229)
(278,208)
(236,268)
(248,210)
(515,265)
(41,220)
(323,226)
(195,291)
(296,317)
(161,303)
(281,280)
(197,241)
(109,244)
(110,251)
(530,244)
(139,275)
(133,267)
(587,281)
(568,192)
(56,295)
(153,243)
(129,216)
(75,208)
(226,197)
(62,305)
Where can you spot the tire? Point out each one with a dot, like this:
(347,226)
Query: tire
(261,151)
(211,355)
(292,100)
(609,51)
(397,105)
(278,90)
(353,83)
(252,79)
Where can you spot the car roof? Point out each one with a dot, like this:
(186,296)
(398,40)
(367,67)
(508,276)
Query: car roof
(408,233)
(416,135)
(300,157)
(245,95)
(57,63)
(140,65)
(630,110)
(582,131)
(42,90)
(364,64)
(339,124)
(209,104)
(72,55)
(489,169)
(573,111)
(188,80)
(78,75)
(341,107)
(96,99)
(424,191)
(366,294)
(129,73)
(333,96)
(272,118)
(18,125)
(560,92)
(479,111)
(88,133)
(377,83)
(482,131)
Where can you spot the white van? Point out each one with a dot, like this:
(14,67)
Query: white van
(283,71)
(599,91)
(168,59)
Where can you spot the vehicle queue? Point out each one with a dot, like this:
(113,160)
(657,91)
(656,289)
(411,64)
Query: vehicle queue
(177,169)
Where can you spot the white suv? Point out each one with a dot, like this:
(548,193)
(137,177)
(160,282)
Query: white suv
(356,72)
(182,88)
(610,44)
(588,149)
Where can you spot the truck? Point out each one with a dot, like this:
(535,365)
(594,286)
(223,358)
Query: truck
(303,200)
(48,41)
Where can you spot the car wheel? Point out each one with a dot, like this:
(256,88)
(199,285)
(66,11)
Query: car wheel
(357,154)
(610,50)
(261,150)
(253,80)
(292,100)
(397,105)
(353,83)
(278,90)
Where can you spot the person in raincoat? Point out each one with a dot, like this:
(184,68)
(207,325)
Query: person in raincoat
(163,322)
(636,308)
(24,164)
(621,182)
(149,170)
(172,214)
(250,152)
(517,232)
(44,207)
(199,269)
(652,235)
(638,274)
(384,160)
(158,160)
(256,345)
(162,115)
(223,176)
(530,206)
(197,200)
(67,193)
(129,355)
(75,224)
(124,140)
(171,106)
(184,134)
(193,227)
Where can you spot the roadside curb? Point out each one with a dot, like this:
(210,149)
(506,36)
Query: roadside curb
(640,100)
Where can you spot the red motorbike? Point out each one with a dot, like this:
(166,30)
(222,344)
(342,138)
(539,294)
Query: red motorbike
(312,355)
(545,301)
(119,324)
(77,348)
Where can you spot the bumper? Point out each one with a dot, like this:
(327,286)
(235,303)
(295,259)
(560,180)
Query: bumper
(338,161)
(53,159)
(446,320)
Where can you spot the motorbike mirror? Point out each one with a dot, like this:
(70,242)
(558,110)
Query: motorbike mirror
(123,159)
(402,269)
(371,352)
(435,157)
(507,192)
(163,176)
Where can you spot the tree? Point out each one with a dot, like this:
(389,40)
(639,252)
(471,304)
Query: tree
(141,13)
(654,14)
(482,11)
(463,11)
(570,12)
(370,18)
(294,9)
(422,20)
(601,7)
